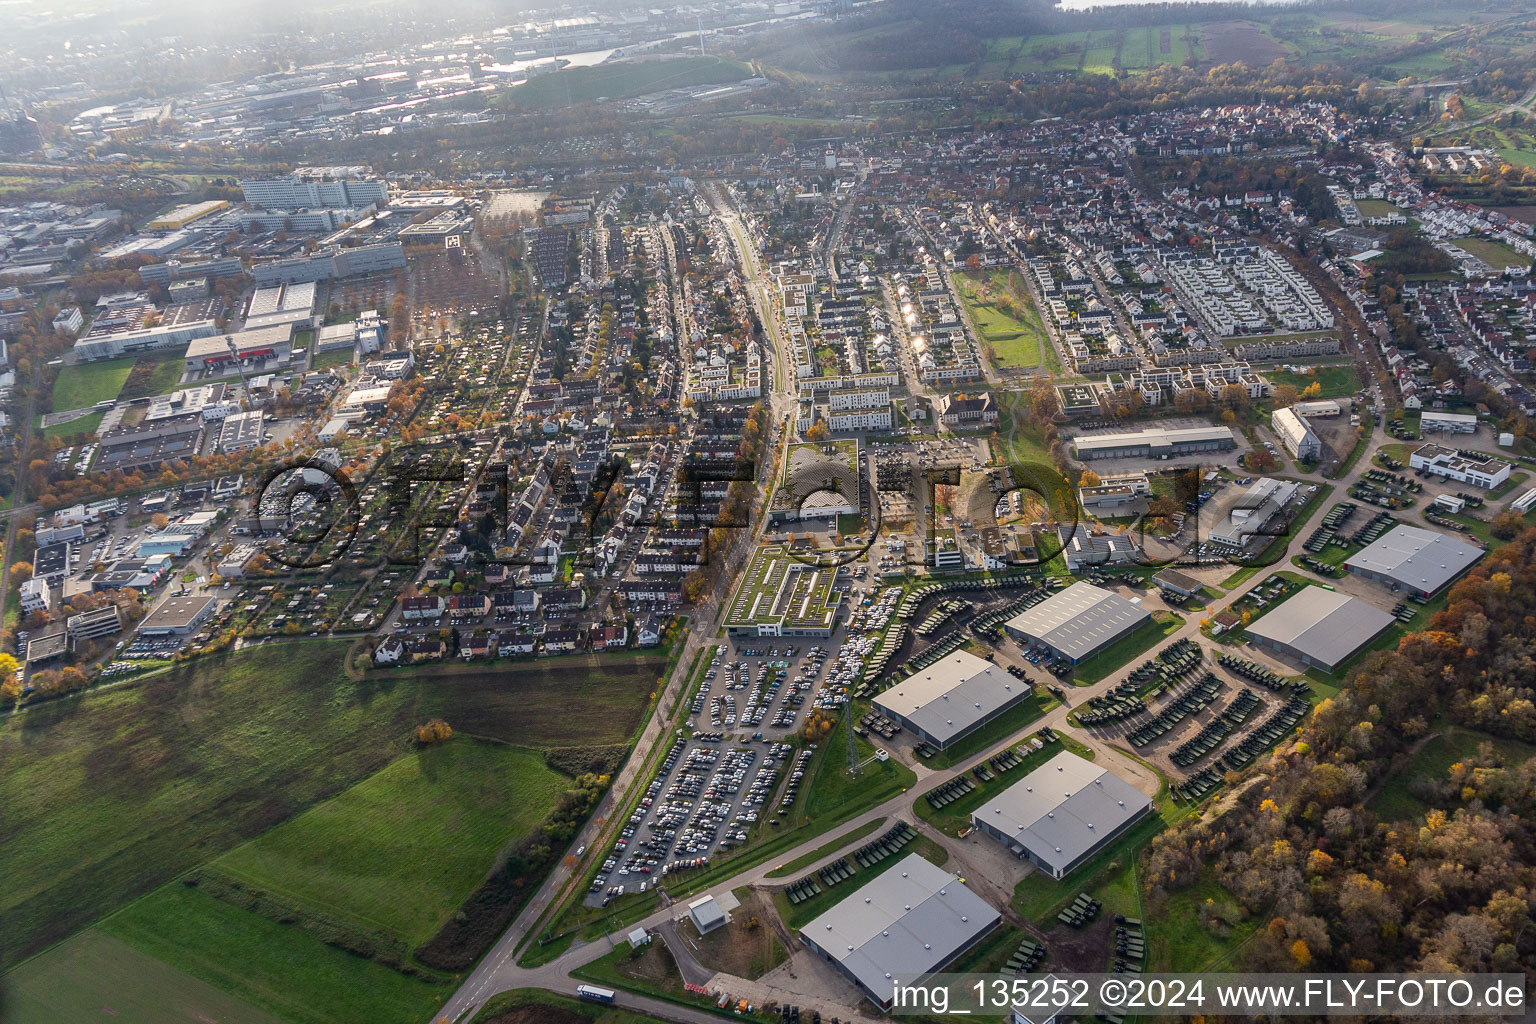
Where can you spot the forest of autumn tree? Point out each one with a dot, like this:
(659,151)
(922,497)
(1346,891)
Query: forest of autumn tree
(1332,886)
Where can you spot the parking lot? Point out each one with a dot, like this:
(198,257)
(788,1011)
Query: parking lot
(707,795)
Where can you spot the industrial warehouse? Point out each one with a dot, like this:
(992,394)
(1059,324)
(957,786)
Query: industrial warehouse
(910,921)
(1320,627)
(1154,443)
(952,698)
(1421,562)
(1077,622)
(1062,813)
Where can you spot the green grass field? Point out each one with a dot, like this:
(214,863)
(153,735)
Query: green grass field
(1137,50)
(87,424)
(164,377)
(1099,58)
(1336,380)
(110,795)
(84,384)
(93,975)
(338,357)
(1015,338)
(625,79)
(401,850)
(1496,254)
(1177,941)
(284,970)
(1060,52)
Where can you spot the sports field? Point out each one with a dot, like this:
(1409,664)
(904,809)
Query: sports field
(401,850)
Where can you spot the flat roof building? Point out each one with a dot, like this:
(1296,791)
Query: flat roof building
(178,616)
(907,923)
(1422,562)
(780,595)
(1320,627)
(1179,582)
(242,431)
(130,448)
(1432,422)
(952,698)
(256,345)
(707,914)
(1062,813)
(1453,465)
(1155,443)
(1256,513)
(1077,622)
(1084,548)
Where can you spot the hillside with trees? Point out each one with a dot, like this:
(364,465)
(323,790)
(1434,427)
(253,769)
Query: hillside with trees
(1323,877)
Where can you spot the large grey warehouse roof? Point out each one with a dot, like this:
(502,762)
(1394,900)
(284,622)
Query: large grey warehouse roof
(1063,809)
(1421,559)
(1079,620)
(946,699)
(1154,436)
(906,923)
(1325,625)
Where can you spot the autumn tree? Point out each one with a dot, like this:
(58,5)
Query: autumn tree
(433,731)
(10,682)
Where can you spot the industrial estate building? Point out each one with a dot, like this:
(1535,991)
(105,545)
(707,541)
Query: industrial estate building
(1320,627)
(352,186)
(1114,493)
(178,616)
(1258,513)
(1296,434)
(952,698)
(1077,622)
(1432,422)
(251,347)
(1062,813)
(1453,465)
(1421,562)
(783,596)
(1155,443)
(907,923)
